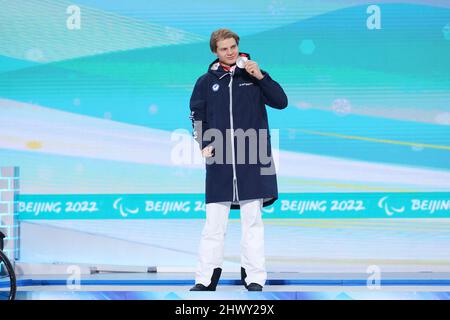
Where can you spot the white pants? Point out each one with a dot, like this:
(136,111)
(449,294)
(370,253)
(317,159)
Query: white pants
(211,249)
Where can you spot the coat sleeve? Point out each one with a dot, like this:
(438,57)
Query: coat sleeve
(198,112)
(274,96)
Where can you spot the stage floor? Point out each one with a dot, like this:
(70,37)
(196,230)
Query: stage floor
(289,286)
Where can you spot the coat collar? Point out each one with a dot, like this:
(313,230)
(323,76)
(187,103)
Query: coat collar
(216,69)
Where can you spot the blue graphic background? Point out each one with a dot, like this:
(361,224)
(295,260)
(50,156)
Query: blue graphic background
(92,92)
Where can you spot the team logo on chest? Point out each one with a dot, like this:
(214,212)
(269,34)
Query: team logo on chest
(215,87)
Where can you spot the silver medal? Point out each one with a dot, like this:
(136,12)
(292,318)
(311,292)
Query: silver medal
(240,62)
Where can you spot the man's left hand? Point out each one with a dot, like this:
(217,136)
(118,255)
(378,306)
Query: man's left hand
(253,69)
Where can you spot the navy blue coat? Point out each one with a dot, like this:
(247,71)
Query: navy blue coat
(211,108)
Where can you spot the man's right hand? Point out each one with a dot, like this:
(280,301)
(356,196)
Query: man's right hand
(207,151)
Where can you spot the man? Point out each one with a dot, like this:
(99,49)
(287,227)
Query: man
(228,104)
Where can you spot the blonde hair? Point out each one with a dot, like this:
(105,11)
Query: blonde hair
(219,35)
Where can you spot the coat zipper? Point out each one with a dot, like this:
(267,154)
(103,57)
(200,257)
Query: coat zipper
(235,188)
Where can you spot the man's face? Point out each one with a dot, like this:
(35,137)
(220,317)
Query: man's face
(227,51)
